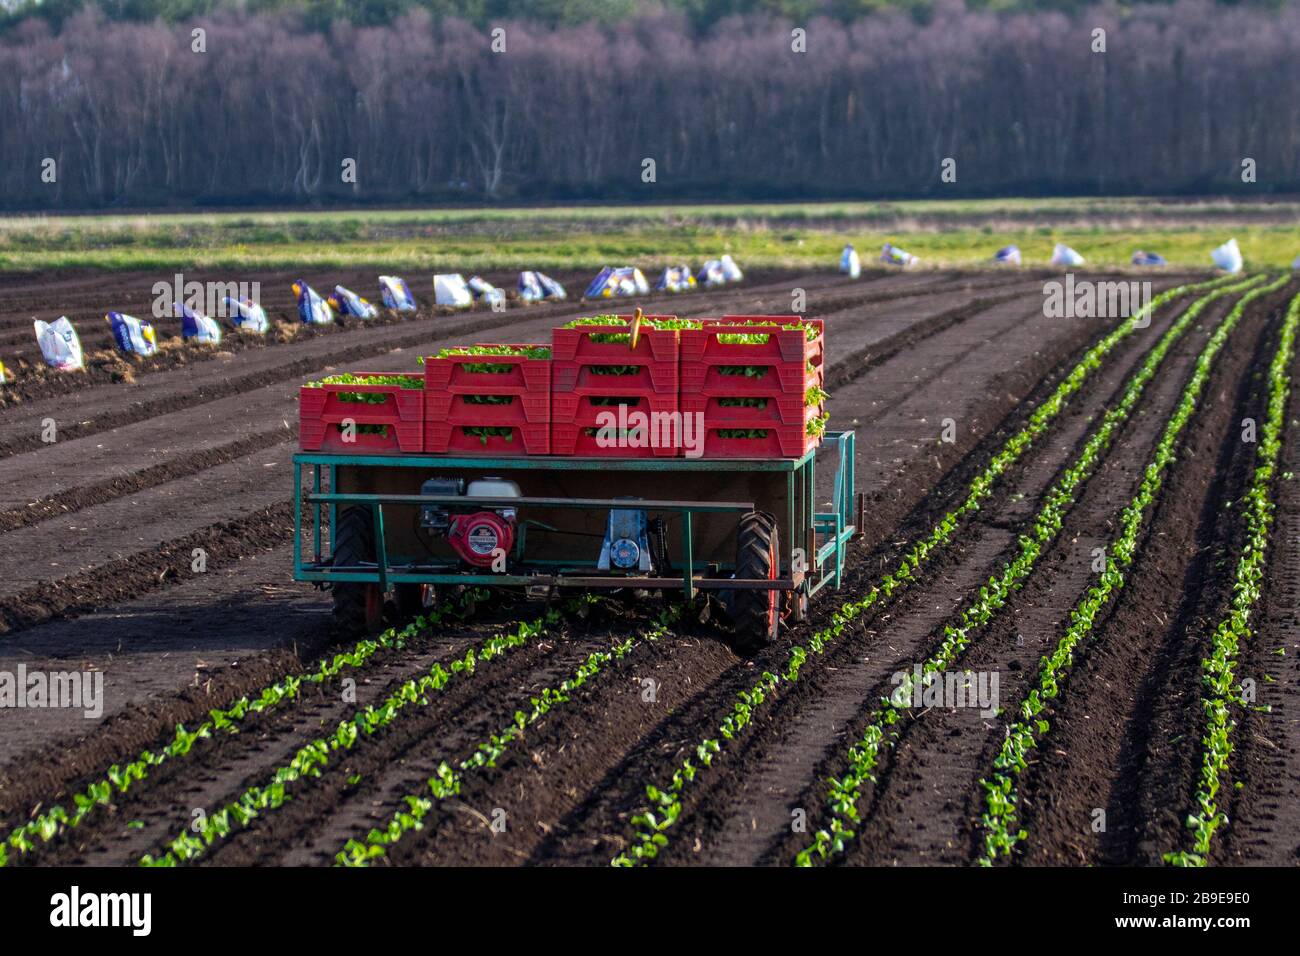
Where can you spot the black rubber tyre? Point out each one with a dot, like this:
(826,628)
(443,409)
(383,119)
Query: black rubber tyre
(755,613)
(358,608)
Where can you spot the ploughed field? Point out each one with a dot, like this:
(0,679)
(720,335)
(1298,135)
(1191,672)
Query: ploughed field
(1068,634)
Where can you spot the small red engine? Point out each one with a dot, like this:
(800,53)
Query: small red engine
(476,537)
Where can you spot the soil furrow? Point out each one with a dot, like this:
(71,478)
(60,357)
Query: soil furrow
(801,742)
(1124,738)
(585,825)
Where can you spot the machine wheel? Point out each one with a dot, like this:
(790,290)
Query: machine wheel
(358,608)
(755,613)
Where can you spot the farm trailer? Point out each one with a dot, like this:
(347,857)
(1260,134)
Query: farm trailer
(744,530)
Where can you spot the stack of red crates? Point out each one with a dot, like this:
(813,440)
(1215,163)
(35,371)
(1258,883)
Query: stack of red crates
(391,427)
(485,404)
(455,410)
(582,386)
(775,421)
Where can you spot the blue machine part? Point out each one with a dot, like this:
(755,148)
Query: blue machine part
(626,545)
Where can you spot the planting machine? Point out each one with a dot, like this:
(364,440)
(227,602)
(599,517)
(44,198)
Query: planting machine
(392,529)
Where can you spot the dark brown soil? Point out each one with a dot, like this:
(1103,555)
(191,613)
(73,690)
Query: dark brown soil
(908,351)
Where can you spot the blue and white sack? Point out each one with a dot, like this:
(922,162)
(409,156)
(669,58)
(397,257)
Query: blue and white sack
(1228,257)
(891,255)
(485,291)
(347,302)
(1008,255)
(530,287)
(1141,258)
(59,344)
(711,274)
(247,315)
(551,289)
(196,325)
(850,262)
(396,294)
(601,287)
(1063,255)
(312,309)
(133,336)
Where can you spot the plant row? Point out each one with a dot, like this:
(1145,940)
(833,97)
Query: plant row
(846,791)
(1000,821)
(650,826)
(122,777)
(446,782)
(313,757)
(1222,694)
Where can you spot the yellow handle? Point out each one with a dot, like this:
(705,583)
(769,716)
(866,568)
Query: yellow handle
(636,328)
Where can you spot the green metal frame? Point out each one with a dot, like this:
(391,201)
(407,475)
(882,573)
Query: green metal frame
(823,562)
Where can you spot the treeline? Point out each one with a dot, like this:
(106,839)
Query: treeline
(262,109)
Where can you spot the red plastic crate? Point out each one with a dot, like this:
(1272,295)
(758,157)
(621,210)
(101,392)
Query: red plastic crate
(784,418)
(787,354)
(577,391)
(321,415)
(449,385)
(528,379)
(573,353)
(573,439)
(780,441)
(444,438)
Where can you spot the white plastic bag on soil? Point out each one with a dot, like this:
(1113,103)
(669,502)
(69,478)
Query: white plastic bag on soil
(312,309)
(59,344)
(451,290)
(1063,255)
(133,336)
(851,262)
(1228,257)
(1008,255)
(396,294)
(247,315)
(196,325)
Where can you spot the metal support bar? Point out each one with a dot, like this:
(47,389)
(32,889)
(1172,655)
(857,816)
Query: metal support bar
(703,507)
(688,552)
(381,547)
